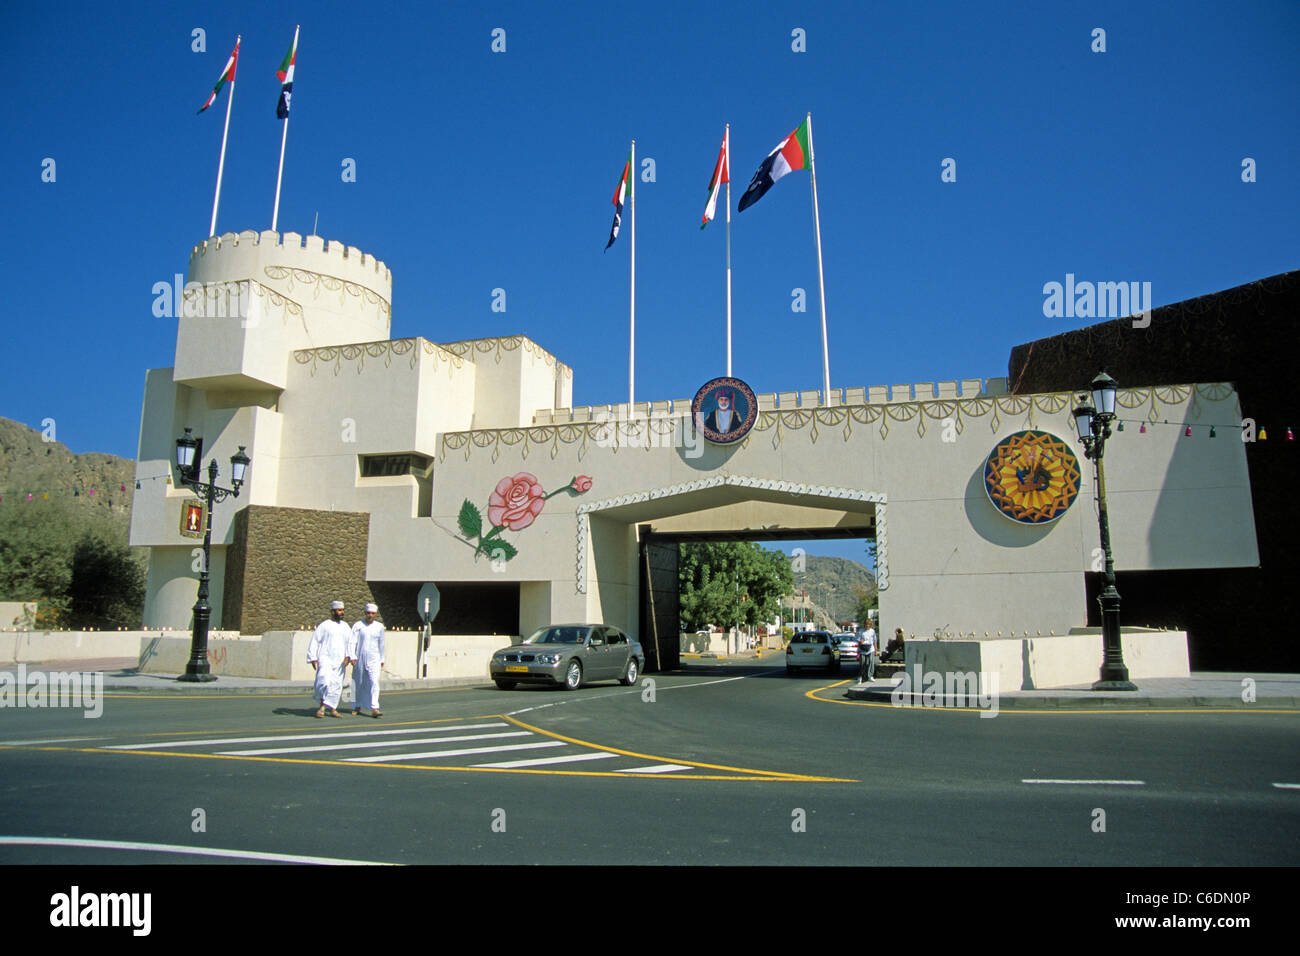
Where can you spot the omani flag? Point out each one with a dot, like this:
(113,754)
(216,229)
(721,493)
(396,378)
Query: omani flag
(226,74)
(721,174)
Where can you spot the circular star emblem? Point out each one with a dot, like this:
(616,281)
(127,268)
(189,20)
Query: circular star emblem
(1032,477)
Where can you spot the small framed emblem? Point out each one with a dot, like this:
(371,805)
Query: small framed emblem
(1032,477)
(724,409)
(192,519)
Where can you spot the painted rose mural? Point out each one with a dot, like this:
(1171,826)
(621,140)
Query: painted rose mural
(513,505)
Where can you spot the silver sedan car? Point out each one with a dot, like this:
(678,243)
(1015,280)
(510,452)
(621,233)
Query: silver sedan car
(569,655)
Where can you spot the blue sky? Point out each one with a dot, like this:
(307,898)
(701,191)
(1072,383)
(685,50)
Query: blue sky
(478,170)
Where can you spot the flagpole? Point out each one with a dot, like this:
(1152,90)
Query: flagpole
(821,282)
(284,135)
(631,347)
(726,140)
(221,163)
(275,213)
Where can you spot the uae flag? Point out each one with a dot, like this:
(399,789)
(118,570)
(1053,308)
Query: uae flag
(620,194)
(721,174)
(791,154)
(227,74)
(285,73)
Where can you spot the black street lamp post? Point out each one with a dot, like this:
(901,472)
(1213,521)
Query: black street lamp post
(198,670)
(1093,423)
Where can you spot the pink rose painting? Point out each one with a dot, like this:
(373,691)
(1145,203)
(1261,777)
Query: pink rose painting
(513,505)
(516,502)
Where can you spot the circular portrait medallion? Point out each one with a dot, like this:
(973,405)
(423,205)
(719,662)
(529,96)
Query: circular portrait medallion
(1032,477)
(724,409)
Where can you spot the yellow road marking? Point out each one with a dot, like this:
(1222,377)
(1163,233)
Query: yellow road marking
(1036,711)
(708,766)
(281,730)
(730,772)
(753,775)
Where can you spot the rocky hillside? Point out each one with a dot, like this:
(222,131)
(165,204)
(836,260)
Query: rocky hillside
(97,488)
(832,583)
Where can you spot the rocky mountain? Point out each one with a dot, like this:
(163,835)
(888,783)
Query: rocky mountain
(832,583)
(97,488)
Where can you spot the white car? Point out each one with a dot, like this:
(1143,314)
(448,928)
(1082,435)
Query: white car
(812,649)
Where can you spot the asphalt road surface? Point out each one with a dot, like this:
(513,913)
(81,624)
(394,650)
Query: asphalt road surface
(723,764)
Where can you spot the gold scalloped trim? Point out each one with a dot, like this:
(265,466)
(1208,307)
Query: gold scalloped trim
(618,434)
(319,280)
(387,350)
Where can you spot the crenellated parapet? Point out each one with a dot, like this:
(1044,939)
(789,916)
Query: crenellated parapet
(303,293)
(966,389)
(246,254)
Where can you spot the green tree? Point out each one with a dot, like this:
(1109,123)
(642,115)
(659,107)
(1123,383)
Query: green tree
(106,588)
(725,583)
(865,598)
(36,545)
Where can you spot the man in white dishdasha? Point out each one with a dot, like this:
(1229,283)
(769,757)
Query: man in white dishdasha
(330,653)
(368,662)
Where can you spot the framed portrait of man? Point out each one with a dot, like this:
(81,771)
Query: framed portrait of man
(192,519)
(724,409)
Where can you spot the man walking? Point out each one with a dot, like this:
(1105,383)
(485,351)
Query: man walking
(867,654)
(368,657)
(330,653)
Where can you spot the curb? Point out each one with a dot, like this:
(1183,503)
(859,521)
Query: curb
(222,687)
(1090,702)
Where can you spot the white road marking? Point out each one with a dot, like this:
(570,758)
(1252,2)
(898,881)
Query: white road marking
(369,744)
(1098,783)
(391,758)
(630,690)
(324,736)
(1287,786)
(56,740)
(185,850)
(656,768)
(539,761)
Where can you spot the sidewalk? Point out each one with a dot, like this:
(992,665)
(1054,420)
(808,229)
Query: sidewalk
(120,674)
(1202,689)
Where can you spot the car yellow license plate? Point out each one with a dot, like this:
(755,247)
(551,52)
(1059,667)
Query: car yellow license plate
(517,670)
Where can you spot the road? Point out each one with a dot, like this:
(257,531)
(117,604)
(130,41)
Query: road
(723,764)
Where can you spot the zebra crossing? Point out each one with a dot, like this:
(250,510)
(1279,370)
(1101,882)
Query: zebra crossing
(487,744)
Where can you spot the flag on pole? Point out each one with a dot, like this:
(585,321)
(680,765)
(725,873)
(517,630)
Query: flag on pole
(792,153)
(721,174)
(285,73)
(620,194)
(226,74)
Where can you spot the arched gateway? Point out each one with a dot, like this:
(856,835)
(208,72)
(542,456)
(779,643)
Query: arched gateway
(381,464)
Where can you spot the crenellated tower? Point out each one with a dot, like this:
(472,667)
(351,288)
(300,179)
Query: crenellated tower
(251,299)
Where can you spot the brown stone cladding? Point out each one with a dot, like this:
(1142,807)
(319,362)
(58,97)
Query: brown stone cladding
(285,566)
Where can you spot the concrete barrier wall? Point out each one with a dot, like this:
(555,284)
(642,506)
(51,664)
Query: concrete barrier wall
(1047,662)
(34,646)
(282,655)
